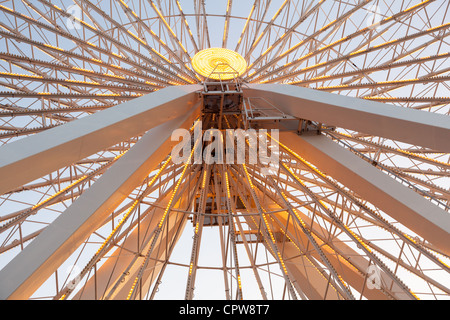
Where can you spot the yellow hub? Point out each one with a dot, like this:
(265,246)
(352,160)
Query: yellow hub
(219,64)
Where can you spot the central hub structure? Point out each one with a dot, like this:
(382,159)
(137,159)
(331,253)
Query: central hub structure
(222,94)
(224,105)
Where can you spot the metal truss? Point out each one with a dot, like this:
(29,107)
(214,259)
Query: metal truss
(92,205)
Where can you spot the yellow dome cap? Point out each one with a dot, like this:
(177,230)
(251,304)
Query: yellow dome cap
(219,63)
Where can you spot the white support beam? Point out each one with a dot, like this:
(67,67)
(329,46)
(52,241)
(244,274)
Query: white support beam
(31,158)
(112,270)
(401,203)
(415,127)
(32,266)
(296,263)
(115,277)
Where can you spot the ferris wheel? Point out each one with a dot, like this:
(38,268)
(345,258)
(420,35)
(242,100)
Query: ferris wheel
(266,149)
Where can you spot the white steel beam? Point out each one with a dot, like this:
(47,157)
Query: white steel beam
(301,267)
(115,277)
(401,203)
(32,266)
(416,127)
(31,158)
(352,274)
(112,270)
(307,278)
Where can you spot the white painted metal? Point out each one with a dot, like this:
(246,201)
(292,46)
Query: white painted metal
(63,60)
(401,203)
(416,127)
(22,276)
(30,158)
